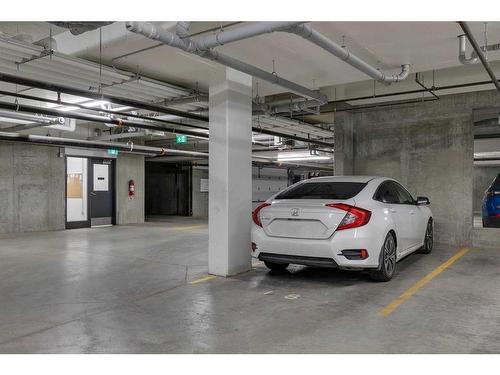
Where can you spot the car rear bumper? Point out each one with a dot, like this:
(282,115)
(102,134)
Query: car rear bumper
(491,221)
(296,259)
(321,253)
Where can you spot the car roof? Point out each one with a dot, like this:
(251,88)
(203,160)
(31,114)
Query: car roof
(362,179)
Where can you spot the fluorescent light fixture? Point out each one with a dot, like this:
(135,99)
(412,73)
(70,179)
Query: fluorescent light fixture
(304,158)
(483,155)
(95,103)
(120,109)
(300,156)
(67,108)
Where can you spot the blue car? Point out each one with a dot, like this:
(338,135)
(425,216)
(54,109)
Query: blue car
(491,204)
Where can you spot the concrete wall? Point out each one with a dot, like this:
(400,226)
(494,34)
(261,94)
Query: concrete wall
(199,199)
(428,147)
(32,188)
(344,144)
(483,177)
(129,167)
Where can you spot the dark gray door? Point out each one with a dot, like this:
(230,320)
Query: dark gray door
(101,188)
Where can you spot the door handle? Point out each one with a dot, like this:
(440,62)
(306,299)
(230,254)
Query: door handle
(412,212)
(92,193)
(393,210)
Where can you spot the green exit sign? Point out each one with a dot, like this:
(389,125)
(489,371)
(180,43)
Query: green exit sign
(181,139)
(112,152)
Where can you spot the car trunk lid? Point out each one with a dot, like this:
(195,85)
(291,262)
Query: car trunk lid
(302,218)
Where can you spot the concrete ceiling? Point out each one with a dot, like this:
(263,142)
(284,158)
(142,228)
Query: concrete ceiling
(425,45)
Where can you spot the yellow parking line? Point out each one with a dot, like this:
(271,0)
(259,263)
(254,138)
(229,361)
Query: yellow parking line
(389,309)
(202,279)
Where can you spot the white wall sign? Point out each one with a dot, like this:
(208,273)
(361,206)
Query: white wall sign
(203,185)
(101,177)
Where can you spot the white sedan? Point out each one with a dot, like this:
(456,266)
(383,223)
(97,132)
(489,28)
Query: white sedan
(348,222)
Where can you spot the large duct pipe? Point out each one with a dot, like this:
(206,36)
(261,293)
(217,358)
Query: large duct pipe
(182,29)
(153,32)
(246,31)
(308,33)
(58,141)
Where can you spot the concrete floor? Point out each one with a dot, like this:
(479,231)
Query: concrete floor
(126,290)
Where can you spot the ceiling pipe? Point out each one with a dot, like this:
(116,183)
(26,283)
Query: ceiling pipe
(188,45)
(305,105)
(480,54)
(96,118)
(462,44)
(54,112)
(196,98)
(34,121)
(132,148)
(307,32)
(99,110)
(247,30)
(473,59)
(182,29)
(97,96)
(27,117)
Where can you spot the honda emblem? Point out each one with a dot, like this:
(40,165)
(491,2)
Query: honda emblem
(295,212)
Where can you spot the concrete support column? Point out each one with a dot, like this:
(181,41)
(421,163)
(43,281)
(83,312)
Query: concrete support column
(230,174)
(344,145)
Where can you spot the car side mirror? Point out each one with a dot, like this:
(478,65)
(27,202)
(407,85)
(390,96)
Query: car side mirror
(423,201)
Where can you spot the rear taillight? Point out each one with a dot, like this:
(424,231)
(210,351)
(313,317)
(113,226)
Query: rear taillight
(355,217)
(255,214)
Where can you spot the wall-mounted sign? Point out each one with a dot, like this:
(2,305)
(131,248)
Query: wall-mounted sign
(112,152)
(204,185)
(181,139)
(101,177)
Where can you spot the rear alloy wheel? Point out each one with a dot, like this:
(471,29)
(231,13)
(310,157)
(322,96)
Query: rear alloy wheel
(276,266)
(429,239)
(387,260)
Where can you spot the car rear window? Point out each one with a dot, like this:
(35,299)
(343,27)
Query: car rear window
(323,190)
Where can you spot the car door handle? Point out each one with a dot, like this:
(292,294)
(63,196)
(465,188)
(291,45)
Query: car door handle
(412,212)
(393,210)
(92,193)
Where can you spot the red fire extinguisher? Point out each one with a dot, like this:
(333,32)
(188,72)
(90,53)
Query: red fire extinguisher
(131,188)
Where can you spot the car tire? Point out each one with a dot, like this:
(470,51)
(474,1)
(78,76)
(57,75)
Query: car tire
(486,223)
(387,260)
(428,239)
(276,266)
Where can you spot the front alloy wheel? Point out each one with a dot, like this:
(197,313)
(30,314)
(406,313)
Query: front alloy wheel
(388,260)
